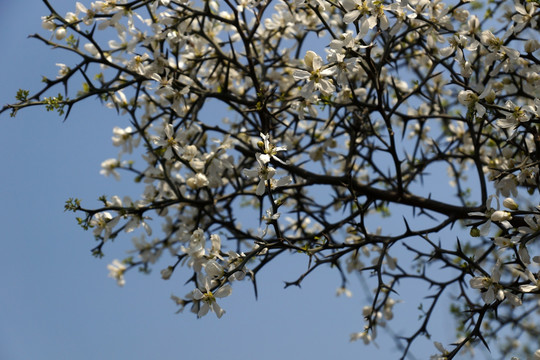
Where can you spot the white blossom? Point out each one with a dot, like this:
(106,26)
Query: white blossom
(116,271)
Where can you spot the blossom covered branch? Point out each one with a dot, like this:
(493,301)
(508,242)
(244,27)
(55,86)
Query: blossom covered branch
(337,144)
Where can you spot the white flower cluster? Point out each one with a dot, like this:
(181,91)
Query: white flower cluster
(213,270)
(491,286)
(264,171)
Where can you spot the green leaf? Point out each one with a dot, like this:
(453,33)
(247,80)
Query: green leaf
(22,95)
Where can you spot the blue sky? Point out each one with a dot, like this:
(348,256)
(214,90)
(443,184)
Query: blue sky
(57,302)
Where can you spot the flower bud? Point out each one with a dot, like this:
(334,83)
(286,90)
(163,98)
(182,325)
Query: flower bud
(166,273)
(467,97)
(60,33)
(47,23)
(509,203)
(490,97)
(500,215)
(367,310)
